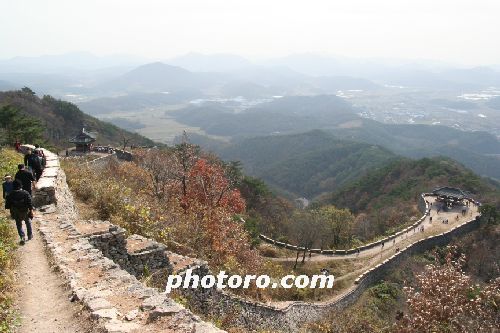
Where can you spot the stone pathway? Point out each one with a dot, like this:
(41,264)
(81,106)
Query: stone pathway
(43,301)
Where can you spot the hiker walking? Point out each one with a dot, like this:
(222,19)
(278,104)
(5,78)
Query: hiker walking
(32,161)
(41,158)
(26,157)
(7,186)
(25,177)
(21,209)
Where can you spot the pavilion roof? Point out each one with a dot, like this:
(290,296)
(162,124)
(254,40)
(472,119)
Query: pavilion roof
(450,192)
(83,137)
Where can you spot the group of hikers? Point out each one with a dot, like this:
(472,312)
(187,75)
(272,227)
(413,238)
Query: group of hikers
(17,192)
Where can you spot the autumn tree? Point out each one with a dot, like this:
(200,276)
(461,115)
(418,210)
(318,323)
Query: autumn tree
(340,222)
(209,185)
(180,196)
(445,299)
(307,228)
(162,171)
(187,154)
(125,139)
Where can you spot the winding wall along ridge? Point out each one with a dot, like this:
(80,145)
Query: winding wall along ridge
(257,316)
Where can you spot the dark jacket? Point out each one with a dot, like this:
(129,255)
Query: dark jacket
(43,161)
(26,178)
(32,161)
(18,199)
(7,187)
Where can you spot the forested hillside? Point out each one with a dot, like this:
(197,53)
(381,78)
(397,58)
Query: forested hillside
(62,120)
(387,196)
(306,164)
(284,116)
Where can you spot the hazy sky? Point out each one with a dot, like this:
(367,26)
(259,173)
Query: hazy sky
(452,30)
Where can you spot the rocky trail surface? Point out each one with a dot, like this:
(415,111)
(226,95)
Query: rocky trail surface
(43,300)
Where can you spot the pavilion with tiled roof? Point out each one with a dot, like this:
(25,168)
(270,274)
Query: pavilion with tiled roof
(450,195)
(83,141)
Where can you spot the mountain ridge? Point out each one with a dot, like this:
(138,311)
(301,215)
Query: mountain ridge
(63,120)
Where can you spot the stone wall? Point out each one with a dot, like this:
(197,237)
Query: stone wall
(258,316)
(420,246)
(123,155)
(101,161)
(45,189)
(422,205)
(118,154)
(135,254)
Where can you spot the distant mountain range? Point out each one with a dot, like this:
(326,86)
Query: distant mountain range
(160,77)
(197,62)
(251,81)
(479,151)
(389,71)
(73,62)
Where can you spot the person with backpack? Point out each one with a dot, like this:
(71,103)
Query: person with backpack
(25,177)
(21,209)
(32,162)
(41,158)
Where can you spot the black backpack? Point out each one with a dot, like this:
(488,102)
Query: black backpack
(20,202)
(34,161)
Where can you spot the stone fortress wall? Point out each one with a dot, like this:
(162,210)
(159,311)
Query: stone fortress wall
(135,254)
(254,315)
(422,205)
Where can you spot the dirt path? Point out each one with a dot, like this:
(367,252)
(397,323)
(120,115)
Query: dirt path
(43,301)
